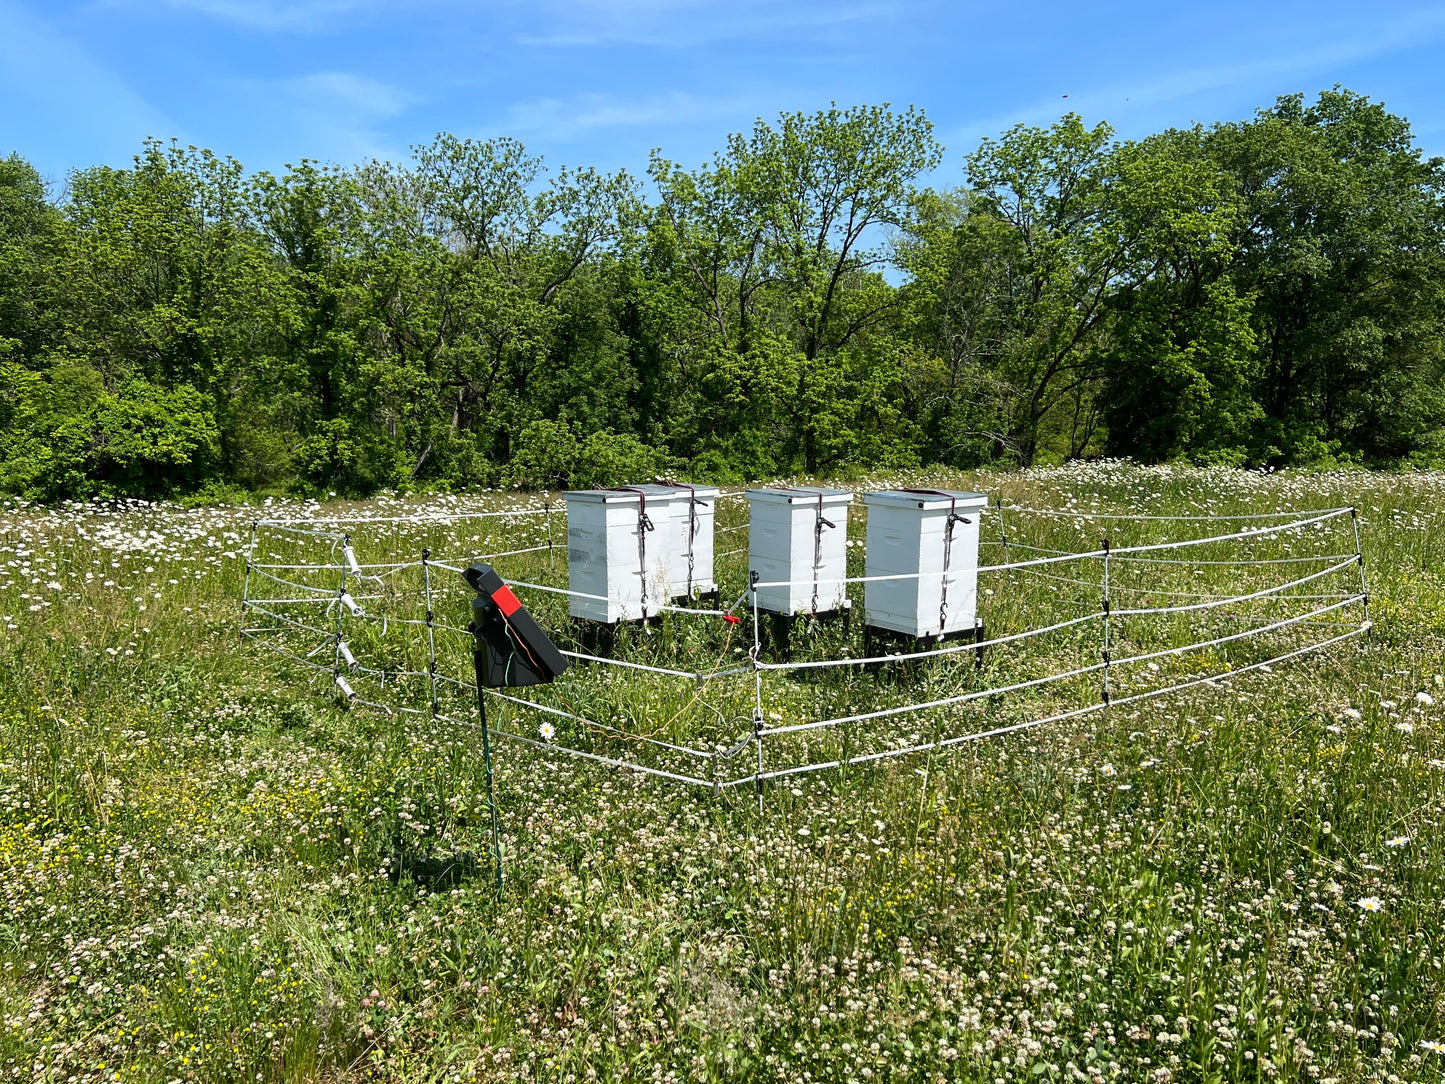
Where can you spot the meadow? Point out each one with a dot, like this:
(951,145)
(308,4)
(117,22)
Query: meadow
(216,870)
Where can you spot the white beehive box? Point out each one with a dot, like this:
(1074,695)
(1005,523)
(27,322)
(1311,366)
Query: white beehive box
(690,556)
(618,569)
(907,535)
(784,544)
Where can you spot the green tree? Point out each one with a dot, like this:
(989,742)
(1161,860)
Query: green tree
(30,230)
(1342,253)
(778,248)
(1014,277)
(1180,351)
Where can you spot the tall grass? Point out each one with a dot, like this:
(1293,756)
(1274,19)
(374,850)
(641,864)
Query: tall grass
(214,870)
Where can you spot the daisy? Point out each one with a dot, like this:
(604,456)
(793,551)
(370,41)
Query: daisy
(548,731)
(1433,1046)
(1370,903)
(1424,699)
(1397,841)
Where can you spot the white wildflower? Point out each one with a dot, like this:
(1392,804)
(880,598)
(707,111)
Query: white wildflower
(1370,903)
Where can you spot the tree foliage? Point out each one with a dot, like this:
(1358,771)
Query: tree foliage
(1257,292)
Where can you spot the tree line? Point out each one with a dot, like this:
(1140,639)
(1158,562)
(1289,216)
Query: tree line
(1266,292)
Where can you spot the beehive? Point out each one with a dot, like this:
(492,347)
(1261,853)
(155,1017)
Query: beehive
(619,569)
(799,535)
(909,535)
(690,555)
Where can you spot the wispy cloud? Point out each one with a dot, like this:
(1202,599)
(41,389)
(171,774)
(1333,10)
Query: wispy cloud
(55,91)
(567,119)
(332,91)
(1411,31)
(685,23)
(337,116)
(275,16)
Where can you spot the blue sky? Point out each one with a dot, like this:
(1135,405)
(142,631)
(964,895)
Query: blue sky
(602,83)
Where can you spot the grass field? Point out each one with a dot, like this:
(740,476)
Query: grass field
(214,870)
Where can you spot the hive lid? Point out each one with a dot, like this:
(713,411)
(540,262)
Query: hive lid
(928,499)
(800,495)
(619,495)
(698,490)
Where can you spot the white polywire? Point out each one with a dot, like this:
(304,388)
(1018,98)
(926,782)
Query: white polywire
(416,621)
(1258,532)
(1097,615)
(420,519)
(1065,514)
(1218,640)
(255,635)
(1032,723)
(630,665)
(278,525)
(489,557)
(1218,602)
(291,583)
(1246,561)
(980,694)
(1081,556)
(962,698)
(704,753)
(389,566)
(610,762)
(1035,549)
(691,675)
(314,600)
(331,597)
(1182,544)
(558,591)
(973,645)
(258,606)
